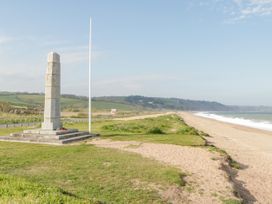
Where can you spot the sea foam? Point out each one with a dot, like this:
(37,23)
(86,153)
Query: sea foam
(263,125)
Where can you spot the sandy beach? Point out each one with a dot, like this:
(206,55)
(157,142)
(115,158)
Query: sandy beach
(252,148)
(206,181)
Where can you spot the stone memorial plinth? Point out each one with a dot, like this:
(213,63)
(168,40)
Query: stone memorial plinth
(51,130)
(52,94)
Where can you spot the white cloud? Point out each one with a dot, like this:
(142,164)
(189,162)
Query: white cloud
(5,39)
(237,10)
(250,8)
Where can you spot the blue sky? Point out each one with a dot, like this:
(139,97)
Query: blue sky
(218,50)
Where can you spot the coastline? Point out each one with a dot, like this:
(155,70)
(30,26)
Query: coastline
(263,124)
(251,147)
(234,125)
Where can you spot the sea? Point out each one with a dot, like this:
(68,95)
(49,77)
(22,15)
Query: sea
(259,120)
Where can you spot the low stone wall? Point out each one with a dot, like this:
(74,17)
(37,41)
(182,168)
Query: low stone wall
(19,125)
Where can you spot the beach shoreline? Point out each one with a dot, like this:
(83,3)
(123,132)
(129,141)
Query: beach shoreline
(234,125)
(242,120)
(251,147)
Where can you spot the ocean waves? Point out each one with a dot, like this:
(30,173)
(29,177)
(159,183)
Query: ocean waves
(263,125)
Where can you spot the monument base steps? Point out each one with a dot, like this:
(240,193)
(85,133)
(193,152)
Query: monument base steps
(60,137)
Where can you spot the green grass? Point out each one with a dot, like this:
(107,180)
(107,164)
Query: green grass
(18,190)
(11,99)
(107,105)
(21,99)
(7,131)
(234,164)
(171,129)
(36,99)
(30,99)
(184,140)
(168,129)
(11,118)
(213,148)
(80,174)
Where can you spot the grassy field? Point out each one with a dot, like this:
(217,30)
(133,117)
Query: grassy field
(84,173)
(107,105)
(80,174)
(7,131)
(168,129)
(9,118)
(37,99)
(78,104)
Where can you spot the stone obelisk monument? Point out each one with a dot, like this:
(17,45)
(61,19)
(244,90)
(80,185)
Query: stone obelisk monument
(52,93)
(51,131)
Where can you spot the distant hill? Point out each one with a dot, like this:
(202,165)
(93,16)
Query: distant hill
(124,103)
(37,100)
(166,103)
(24,100)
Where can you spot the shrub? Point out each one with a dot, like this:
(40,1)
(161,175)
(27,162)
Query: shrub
(125,127)
(155,130)
(188,131)
(82,115)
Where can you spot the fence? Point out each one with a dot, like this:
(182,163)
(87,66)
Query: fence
(19,125)
(33,124)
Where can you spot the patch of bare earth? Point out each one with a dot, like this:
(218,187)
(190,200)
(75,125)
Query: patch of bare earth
(206,181)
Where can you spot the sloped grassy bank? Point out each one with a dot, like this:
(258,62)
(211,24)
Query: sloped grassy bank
(79,174)
(87,174)
(168,129)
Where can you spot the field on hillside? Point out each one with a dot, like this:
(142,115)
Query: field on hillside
(38,100)
(26,108)
(8,118)
(72,103)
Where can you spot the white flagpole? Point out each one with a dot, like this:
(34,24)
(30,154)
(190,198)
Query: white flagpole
(90,66)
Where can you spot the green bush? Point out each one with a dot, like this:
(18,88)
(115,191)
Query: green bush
(82,115)
(186,130)
(155,130)
(125,127)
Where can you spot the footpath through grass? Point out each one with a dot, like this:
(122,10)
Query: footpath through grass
(79,174)
(169,129)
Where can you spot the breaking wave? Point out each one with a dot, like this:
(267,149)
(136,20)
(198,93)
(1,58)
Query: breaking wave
(263,125)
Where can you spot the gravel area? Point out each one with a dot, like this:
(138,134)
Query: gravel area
(250,147)
(206,182)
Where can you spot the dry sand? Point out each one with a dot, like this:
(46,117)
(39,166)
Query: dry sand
(206,181)
(250,147)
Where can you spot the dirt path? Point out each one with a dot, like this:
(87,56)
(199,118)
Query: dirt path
(206,181)
(144,116)
(251,147)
